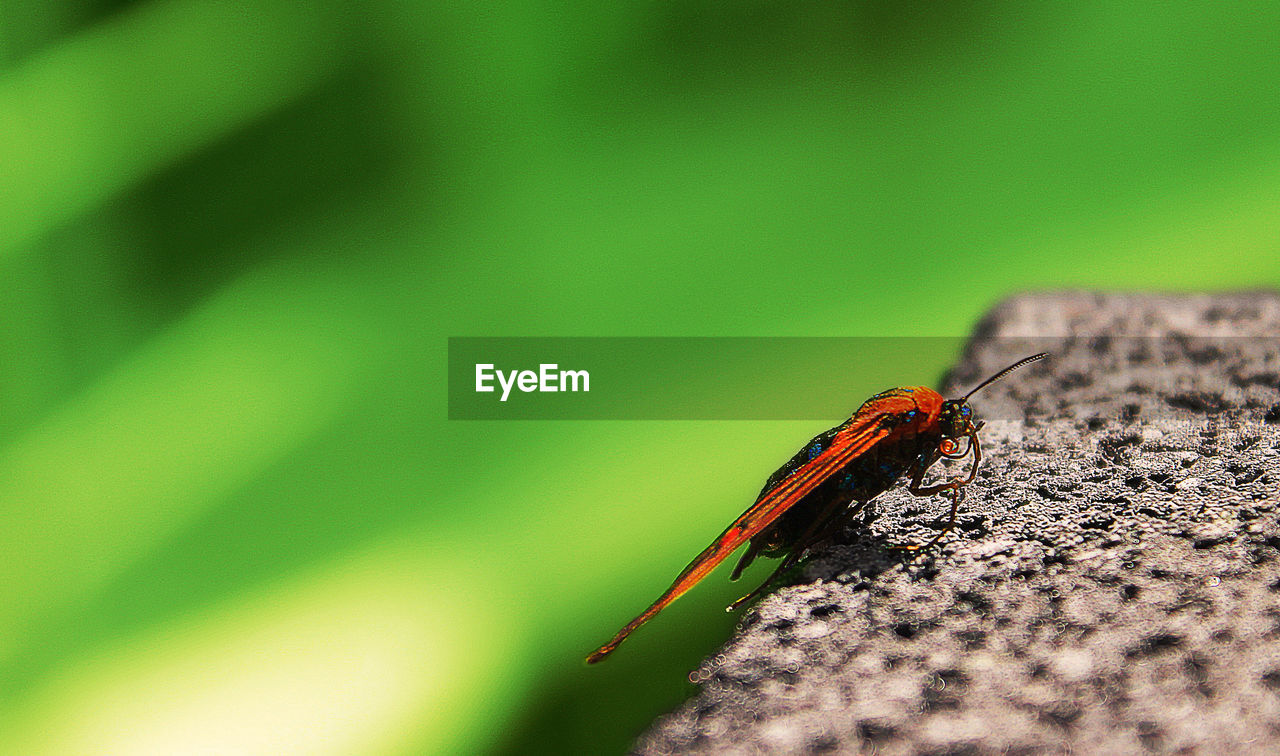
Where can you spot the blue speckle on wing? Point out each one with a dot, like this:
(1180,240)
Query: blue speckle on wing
(815,450)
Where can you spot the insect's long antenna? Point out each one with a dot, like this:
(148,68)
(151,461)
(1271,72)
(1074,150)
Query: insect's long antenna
(1020,363)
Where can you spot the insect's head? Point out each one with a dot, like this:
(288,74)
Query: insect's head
(957,419)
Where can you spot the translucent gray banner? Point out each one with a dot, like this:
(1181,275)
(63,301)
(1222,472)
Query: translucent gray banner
(663,378)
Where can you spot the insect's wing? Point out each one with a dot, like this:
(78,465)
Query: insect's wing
(853,439)
(816,446)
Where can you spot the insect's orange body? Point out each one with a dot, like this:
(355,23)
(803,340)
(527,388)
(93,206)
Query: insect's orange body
(902,431)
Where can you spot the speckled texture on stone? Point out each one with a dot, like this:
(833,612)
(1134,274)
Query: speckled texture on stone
(1113,586)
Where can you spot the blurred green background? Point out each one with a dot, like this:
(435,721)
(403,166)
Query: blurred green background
(235,236)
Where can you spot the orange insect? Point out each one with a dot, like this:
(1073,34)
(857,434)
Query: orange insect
(896,433)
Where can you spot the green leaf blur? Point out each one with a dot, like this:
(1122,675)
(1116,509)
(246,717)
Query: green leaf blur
(234,238)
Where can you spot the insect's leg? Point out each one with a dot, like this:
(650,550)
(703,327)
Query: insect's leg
(787,563)
(748,556)
(956,487)
(811,535)
(917,486)
(977,459)
(957,496)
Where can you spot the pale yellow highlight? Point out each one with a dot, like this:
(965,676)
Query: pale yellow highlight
(365,659)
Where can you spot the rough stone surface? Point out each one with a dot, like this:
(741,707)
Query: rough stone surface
(1113,586)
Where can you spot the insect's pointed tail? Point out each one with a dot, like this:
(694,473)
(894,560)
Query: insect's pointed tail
(657,606)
